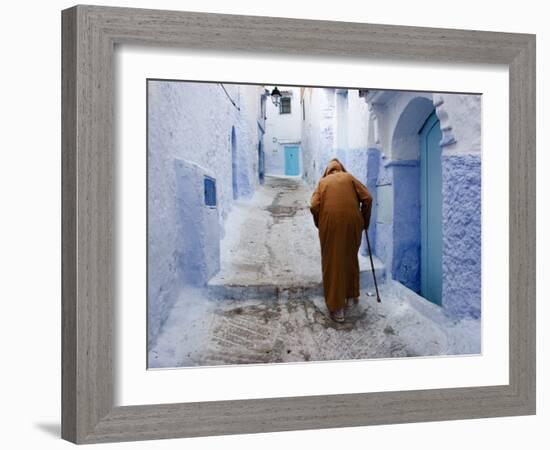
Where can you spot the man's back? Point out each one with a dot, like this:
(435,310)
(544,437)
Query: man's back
(338,195)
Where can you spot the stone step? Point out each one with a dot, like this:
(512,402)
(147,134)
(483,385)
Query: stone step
(240,287)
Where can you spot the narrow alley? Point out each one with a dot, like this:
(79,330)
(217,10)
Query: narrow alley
(266,303)
(272,248)
(233,255)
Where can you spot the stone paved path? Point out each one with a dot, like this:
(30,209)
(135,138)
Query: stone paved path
(207,332)
(266,304)
(272,246)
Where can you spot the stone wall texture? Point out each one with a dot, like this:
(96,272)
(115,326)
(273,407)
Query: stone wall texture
(462,235)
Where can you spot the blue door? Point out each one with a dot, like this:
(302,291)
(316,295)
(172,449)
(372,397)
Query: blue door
(292,160)
(261,163)
(234,164)
(430,203)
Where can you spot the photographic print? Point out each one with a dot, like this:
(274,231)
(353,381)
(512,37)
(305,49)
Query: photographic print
(291,224)
(259,233)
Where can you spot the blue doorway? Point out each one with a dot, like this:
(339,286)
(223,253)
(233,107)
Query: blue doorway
(261,163)
(431,254)
(292,160)
(234,164)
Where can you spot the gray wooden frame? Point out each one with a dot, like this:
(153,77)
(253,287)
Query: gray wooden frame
(89,36)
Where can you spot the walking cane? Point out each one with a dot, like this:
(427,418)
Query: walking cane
(372,266)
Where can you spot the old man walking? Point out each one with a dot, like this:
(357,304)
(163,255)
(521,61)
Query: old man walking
(341,208)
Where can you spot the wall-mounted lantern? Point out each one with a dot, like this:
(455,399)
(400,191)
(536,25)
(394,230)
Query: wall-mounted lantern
(275,96)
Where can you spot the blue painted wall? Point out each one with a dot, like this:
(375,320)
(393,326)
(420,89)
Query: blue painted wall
(192,122)
(373,168)
(397,238)
(195,246)
(462,235)
(406,223)
(384,213)
(198,245)
(357,165)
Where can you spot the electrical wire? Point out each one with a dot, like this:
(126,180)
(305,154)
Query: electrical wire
(229,97)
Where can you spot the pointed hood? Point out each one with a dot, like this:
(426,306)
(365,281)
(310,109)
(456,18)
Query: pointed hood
(334,165)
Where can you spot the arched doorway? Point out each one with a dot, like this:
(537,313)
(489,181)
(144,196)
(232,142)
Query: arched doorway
(431,260)
(406,186)
(234,163)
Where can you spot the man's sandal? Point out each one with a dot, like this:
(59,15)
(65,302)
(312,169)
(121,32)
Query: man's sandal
(338,315)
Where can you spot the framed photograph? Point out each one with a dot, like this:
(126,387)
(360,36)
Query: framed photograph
(265,229)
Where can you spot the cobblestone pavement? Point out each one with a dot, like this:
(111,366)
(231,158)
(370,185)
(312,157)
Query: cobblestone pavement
(206,332)
(266,305)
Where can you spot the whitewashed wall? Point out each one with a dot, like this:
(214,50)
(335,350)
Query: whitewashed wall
(317,132)
(352,122)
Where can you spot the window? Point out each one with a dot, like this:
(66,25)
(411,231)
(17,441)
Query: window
(209,191)
(284,106)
